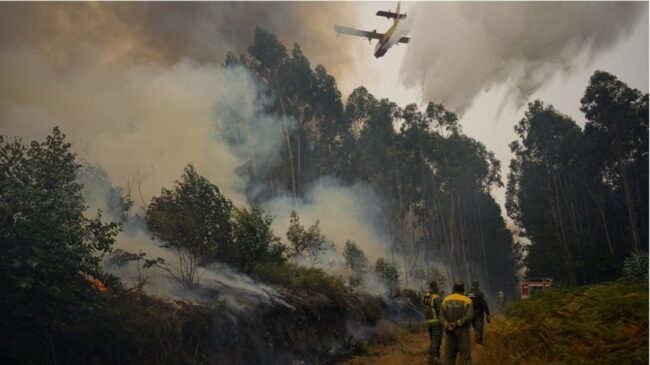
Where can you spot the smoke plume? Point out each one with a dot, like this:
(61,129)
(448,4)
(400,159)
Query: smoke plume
(460,49)
(142,124)
(137,122)
(163,34)
(344,212)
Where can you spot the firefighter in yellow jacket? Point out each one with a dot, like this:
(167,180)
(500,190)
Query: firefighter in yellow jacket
(432,302)
(456,314)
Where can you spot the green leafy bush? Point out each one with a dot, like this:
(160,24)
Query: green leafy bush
(253,239)
(49,250)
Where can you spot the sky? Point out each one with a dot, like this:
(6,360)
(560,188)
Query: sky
(119,76)
(493,111)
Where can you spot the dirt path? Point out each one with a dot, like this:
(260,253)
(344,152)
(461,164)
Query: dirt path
(411,348)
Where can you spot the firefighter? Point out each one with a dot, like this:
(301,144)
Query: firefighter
(456,313)
(481,311)
(432,302)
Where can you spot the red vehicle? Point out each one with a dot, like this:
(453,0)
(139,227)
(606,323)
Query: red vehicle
(531,287)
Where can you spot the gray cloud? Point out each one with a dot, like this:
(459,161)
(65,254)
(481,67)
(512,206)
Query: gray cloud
(135,118)
(165,33)
(460,49)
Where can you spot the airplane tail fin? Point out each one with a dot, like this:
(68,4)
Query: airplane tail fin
(391,15)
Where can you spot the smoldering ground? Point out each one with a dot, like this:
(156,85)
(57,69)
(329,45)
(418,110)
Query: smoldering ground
(459,49)
(143,124)
(139,90)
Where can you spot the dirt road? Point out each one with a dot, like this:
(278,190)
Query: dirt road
(410,348)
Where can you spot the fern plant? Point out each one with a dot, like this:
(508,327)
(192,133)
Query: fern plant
(636,266)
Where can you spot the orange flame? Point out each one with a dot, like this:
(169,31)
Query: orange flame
(99,285)
(95,283)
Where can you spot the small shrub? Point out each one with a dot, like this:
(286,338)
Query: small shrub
(636,266)
(300,280)
(388,272)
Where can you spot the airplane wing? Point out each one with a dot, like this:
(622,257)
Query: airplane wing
(358,33)
(404,40)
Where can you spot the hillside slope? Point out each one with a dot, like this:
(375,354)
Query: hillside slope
(598,324)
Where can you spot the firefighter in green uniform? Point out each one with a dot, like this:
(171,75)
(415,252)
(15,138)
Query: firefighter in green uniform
(456,313)
(432,302)
(481,311)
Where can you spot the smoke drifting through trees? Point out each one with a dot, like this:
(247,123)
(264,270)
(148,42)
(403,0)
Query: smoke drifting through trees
(143,125)
(272,133)
(460,49)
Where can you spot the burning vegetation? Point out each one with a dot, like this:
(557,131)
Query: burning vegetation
(195,277)
(95,283)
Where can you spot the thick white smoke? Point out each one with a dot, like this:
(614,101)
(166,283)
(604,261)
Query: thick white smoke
(238,290)
(143,124)
(131,120)
(344,213)
(459,49)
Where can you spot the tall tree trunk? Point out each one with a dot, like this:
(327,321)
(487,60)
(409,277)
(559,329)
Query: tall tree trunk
(461,236)
(560,222)
(452,229)
(626,191)
(252,149)
(481,236)
(299,157)
(287,140)
(594,198)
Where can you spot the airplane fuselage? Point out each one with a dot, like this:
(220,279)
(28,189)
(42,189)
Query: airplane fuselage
(382,46)
(384,40)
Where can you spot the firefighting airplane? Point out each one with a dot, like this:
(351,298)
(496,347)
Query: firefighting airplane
(385,41)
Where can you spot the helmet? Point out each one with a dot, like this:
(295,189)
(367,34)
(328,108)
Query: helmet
(459,287)
(433,285)
(475,283)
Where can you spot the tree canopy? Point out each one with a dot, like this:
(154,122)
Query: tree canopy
(580,195)
(50,252)
(434,180)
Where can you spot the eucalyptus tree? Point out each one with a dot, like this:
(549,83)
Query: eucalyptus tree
(618,124)
(578,193)
(434,181)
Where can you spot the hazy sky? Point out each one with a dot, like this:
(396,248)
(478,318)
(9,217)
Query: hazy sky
(483,60)
(494,111)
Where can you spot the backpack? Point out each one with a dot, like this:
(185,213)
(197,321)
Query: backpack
(431,314)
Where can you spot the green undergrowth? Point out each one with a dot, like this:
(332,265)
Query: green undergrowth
(319,289)
(596,324)
(300,279)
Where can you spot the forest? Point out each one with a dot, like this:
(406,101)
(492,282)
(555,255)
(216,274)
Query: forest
(580,195)
(577,198)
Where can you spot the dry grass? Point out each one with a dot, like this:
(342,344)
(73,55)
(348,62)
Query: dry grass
(410,347)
